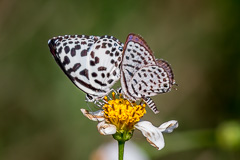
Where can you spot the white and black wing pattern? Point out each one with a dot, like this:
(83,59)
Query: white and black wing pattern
(84,59)
(169,73)
(149,78)
(105,59)
(136,54)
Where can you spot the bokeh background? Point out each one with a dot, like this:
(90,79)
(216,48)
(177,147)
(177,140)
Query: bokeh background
(39,106)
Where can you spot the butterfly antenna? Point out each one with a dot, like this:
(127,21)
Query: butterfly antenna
(89,106)
(98,103)
(175,84)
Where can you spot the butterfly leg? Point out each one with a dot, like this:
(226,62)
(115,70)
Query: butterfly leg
(98,103)
(175,88)
(109,98)
(89,98)
(151,104)
(113,90)
(89,106)
(141,102)
(90,109)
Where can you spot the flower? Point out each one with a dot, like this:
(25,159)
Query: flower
(119,117)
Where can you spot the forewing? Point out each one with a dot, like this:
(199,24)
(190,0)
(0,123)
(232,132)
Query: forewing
(71,52)
(136,54)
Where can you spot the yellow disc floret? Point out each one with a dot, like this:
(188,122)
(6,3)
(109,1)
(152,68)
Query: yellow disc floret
(122,113)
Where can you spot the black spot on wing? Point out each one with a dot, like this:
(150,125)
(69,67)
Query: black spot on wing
(84,53)
(73,52)
(66,49)
(77,47)
(136,61)
(100,83)
(130,73)
(144,83)
(88,85)
(129,65)
(102,68)
(92,63)
(110,81)
(92,54)
(59,50)
(94,74)
(97,60)
(139,75)
(114,73)
(107,52)
(66,60)
(135,81)
(84,73)
(103,75)
(140,87)
(74,68)
(52,46)
(113,50)
(134,89)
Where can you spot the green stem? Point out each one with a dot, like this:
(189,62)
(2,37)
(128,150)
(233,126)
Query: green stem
(122,137)
(120,149)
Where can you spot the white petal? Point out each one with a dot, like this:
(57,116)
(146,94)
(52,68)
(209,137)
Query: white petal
(106,129)
(94,116)
(169,126)
(153,134)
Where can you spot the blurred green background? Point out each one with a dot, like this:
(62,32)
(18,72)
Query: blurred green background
(39,106)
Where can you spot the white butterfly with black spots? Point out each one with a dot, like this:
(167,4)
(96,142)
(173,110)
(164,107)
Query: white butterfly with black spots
(92,63)
(143,76)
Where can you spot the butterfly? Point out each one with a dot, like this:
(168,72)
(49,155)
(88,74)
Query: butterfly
(92,63)
(143,76)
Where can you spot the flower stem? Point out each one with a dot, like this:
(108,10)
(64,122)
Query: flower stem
(120,149)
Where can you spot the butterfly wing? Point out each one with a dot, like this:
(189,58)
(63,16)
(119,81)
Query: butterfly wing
(74,55)
(136,54)
(167,68)
(104,63)
(149,81)
(152,80)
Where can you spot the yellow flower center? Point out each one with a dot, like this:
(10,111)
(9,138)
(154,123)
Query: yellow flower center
(122,113)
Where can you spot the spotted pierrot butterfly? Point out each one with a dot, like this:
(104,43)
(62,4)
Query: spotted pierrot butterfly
(92,63)
(143,76)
